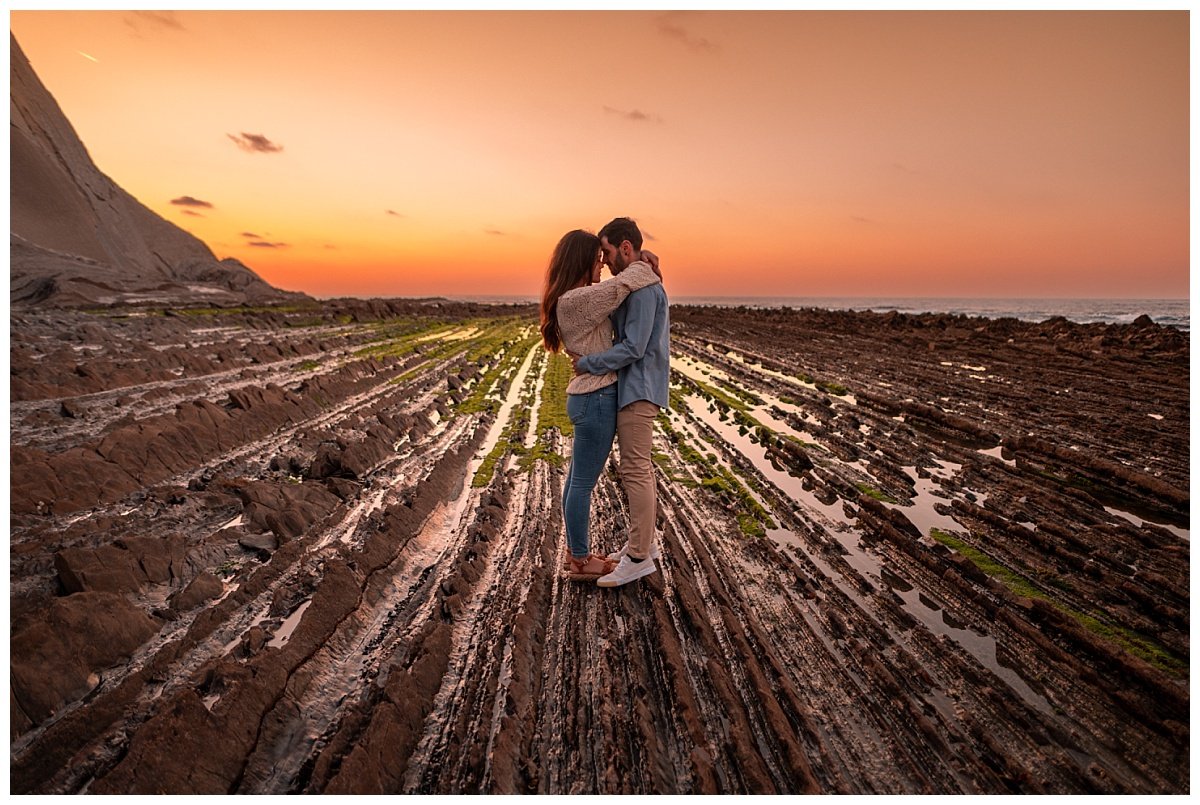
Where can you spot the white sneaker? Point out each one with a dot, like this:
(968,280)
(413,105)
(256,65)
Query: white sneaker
(627,571)
(617,556)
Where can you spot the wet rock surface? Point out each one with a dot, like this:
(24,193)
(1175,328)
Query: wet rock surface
(317,548)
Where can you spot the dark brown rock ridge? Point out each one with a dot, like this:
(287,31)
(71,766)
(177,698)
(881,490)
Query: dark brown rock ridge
(76,238)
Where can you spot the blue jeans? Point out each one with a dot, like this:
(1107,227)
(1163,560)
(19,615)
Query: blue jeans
(594,416)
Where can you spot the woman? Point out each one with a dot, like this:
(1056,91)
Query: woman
(575,310)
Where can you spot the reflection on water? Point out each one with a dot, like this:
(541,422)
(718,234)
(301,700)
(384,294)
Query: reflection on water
(696,369)
(449,334)
(531,432)
(980,646)
(1001,453)
(953,622)
(237,640)
(502,416)
(868,565)
(787,483)
(921,511)
(1183,533)
(765,412)
(444,522)
(894,581)
(926,601)
(762,370)
(699,370)
(284,633)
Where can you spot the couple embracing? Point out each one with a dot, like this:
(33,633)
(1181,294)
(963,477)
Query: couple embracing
(617,333)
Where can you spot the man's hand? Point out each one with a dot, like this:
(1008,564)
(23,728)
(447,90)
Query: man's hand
(652,258)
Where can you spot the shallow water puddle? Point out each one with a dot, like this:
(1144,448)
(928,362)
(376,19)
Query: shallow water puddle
(447,333)
(531,433)
(980,646)
(285,630)
(349,527)
(763,414)
(762,370)
(691,366)
(444,522)
(758,368)
(515,387)
(461,335)
(939,621)
(236,641)
(789,484)
(833,518)
(469,643)
(869,565)
(1000,453)
(921,512)
(697,369)
(1183,533)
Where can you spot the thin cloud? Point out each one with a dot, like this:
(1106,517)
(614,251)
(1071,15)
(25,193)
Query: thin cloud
(137,20)
(251,236)
(188,201)
(861,220)
(634,115)
(88,56)
(496,232)
(330,246)
(255,143)
(647,236)
(192,212)
(393,212)
(262,244)
(671,26)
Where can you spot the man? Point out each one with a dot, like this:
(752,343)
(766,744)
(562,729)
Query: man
(641,358)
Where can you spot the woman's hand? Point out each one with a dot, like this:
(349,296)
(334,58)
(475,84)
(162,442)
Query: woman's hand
(652,258)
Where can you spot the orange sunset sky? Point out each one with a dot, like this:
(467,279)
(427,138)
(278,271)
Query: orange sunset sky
(793,153)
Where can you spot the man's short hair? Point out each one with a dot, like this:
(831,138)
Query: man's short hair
(622,229)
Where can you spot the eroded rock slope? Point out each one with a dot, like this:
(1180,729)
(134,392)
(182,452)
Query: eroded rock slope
(76,238)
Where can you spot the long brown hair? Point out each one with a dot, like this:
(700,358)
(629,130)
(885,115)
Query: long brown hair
(571,264)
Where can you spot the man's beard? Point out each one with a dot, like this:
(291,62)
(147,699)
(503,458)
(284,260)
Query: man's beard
(618,263)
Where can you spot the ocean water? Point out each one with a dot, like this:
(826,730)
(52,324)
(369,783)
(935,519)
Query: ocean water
(1168,312)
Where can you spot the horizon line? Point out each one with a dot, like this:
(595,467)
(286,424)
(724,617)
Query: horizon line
(681,298)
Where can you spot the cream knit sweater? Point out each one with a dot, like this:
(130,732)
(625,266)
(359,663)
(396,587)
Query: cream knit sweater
(583,319)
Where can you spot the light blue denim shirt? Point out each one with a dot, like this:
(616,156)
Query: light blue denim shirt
(641,356)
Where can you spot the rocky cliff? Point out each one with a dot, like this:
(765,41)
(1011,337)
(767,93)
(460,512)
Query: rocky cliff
(79,239)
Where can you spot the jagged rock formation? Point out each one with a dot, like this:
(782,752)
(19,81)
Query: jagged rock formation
(317,549)
(76,238)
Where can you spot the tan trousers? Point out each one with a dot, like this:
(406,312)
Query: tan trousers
(635,427)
